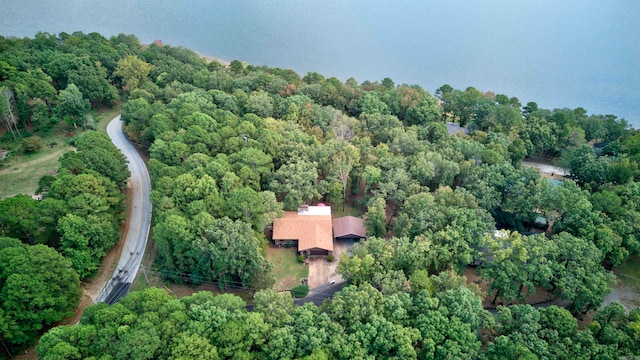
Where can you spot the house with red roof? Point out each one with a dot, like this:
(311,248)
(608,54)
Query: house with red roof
(313,230)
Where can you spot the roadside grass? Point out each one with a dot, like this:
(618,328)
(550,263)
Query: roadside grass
(182,290)
(104,115)
(287,271)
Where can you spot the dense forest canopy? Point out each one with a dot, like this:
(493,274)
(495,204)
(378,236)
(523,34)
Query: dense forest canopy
(233,146)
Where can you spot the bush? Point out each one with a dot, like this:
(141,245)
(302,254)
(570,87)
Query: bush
(301,258)
(32,144)
(330,258)
(300,291)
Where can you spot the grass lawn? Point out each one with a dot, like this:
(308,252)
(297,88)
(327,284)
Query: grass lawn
(287,271)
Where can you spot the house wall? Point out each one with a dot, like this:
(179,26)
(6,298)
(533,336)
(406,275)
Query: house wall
(285,243)
(318,252)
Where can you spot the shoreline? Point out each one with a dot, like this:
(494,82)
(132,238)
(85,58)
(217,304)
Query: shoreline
(207,58)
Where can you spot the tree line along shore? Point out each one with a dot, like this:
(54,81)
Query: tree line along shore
(233,146)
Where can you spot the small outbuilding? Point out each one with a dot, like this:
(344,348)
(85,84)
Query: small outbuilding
(349,227)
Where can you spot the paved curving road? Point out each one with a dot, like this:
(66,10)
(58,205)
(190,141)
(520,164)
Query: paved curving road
(139,220)
(318,295)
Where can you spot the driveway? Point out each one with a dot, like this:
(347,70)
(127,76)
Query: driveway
(323,272)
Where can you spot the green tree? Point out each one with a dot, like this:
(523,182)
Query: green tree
(257,209)
(504,266)
(354,305)
(86,241)
(18,218)
(71,103)
(133,71)
(38,287)
(6,110)
(260,104)
(444,334)
(431,216)
(229,253)
(580,276)
(97,152)
(296,183)
(193,346)
(345,158)
(32,144)
(91,80)
(277,307)
(370,103)
(376,217)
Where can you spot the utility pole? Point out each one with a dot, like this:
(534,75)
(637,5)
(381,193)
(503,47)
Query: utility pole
(5,347)
(144,272)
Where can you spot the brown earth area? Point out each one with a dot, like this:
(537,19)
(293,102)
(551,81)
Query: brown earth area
(539,296)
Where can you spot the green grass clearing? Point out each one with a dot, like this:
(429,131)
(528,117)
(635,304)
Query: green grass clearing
(628,273)
(20,173)
(287,271)
(349,210)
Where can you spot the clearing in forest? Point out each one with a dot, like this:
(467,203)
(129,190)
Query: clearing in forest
(20,175)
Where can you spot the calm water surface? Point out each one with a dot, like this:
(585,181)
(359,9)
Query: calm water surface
(558,53)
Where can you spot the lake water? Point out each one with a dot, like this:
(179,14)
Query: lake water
(566,53)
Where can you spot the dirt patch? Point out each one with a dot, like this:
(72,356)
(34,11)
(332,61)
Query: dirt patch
(539,296)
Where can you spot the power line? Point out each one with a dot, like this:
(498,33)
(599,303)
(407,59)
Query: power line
(214,281)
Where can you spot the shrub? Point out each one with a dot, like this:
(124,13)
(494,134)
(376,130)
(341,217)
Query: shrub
(330,258)
(32,144)
(300,291)
(301,258)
